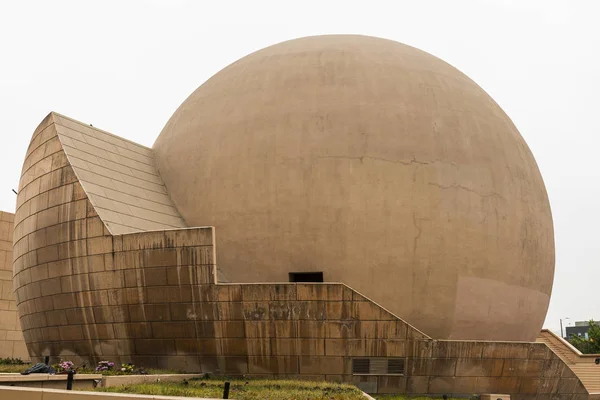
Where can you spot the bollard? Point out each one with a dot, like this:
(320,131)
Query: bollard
(70,380)
(47,360)
(226,390)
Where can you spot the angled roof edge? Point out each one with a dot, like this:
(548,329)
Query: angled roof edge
(118,176)
(54,113)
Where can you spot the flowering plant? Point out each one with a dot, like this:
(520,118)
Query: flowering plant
(105,366)
(64,366)
(127,368)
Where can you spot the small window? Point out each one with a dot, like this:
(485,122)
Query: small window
(306,277)
(361,366)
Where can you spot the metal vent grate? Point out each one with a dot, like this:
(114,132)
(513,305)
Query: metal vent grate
(395,366)
(361,366)
(378,366)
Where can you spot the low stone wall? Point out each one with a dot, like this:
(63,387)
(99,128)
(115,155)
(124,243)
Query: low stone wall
(88,381)
(46,381)
(54,394)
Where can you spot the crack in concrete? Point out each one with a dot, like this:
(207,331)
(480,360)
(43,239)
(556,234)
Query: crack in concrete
(362,158)
(417,236)
(461,187)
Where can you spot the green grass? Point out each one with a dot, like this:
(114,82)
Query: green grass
(13,368)
(251,389)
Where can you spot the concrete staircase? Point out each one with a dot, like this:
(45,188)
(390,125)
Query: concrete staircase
(582,365)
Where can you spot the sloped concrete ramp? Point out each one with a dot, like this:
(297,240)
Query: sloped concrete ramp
(583,365)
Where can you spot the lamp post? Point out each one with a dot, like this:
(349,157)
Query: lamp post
(561,326)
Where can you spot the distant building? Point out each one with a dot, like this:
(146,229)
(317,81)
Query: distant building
(580,329)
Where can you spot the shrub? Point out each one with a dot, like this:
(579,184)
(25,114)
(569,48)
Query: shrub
(127,368)
(11,361)
(590,345)
(64,366)
(105,366)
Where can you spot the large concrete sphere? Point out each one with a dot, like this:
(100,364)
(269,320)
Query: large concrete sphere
(378,164)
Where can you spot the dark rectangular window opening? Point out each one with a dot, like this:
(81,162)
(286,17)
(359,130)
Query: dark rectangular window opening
(306,277)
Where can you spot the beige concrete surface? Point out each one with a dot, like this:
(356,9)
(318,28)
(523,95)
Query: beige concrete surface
(381,166)
(75,281)
(12,344)
(13,377)
(420,233)
(152,298)
(583,365)
(47,381)
(119,177)
(17,393)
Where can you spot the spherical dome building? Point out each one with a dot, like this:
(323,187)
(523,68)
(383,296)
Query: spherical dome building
(380,166)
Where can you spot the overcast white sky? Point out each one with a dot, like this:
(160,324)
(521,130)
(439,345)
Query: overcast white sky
(125,66)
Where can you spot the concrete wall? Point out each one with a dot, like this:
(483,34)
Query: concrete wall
(11,338)
(75,282)
(151,298)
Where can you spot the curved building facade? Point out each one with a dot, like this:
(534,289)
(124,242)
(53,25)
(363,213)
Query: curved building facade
(359,162)
(11,337)
(380,166)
